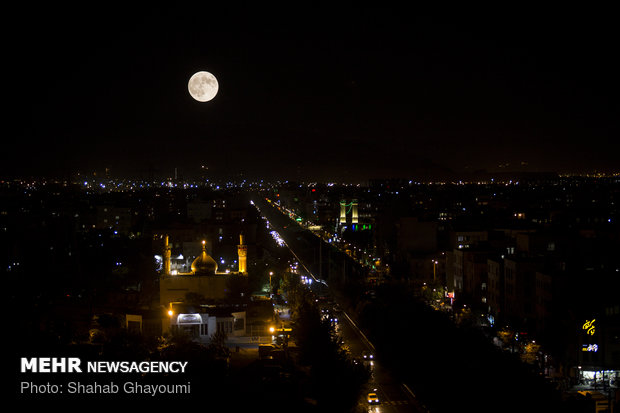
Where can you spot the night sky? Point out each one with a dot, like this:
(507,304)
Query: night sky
(342,93)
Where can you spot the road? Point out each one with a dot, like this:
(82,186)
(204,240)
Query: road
(394,396)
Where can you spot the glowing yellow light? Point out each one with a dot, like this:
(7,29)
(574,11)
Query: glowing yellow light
(589,327)
(170,313)
(271,330)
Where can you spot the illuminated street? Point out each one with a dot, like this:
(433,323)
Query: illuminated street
(393,395)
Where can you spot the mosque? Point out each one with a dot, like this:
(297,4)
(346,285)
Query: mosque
(200,302)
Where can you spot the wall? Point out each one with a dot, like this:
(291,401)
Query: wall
(174,288)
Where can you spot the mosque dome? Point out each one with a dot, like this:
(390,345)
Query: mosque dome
(204,264)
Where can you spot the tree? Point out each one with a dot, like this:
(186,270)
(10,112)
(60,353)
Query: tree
(336,381)
(204,367)
(507,336)
(530,353)
(217,346)
(433,293)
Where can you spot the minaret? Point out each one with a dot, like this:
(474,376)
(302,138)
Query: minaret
(167,253)
(354,213)
(343,212)
(242,250)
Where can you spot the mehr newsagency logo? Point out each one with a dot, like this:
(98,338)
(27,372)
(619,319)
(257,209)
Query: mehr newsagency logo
(74,366)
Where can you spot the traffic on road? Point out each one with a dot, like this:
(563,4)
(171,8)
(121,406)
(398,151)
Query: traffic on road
(384,394)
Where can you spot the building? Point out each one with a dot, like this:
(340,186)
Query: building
(519,291)
(467,275)
(202,301)
(202,321)
(495,278)
(349,214)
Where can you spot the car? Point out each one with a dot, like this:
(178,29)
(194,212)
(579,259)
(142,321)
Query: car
(373,398)
(368,356)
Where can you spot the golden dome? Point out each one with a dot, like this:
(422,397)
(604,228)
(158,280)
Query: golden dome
(204,264)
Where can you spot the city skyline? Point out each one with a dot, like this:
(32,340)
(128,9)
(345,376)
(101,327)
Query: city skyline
(521,272)
(387,208)
(307,94)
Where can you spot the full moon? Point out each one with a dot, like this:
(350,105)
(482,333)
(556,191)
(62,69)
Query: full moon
(203,86)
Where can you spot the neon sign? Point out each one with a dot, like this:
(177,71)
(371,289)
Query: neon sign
(589,327)
(189,318)
(590,347)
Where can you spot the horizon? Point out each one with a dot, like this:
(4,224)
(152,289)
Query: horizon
(386,92)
